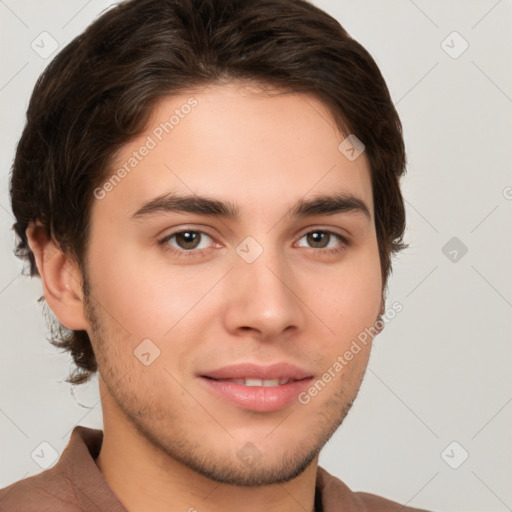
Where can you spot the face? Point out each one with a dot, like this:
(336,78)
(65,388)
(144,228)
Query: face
(224,293)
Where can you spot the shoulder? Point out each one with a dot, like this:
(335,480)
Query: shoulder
(374,503)
(335,493)
(49,491)
(73,484)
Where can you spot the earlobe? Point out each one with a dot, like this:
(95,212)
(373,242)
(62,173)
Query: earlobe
(61,278)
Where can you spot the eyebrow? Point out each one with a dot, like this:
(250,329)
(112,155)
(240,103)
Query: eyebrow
(202,205)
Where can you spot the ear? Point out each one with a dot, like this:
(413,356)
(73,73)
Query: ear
(61,278)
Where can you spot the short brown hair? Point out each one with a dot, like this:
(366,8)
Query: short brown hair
(98,93)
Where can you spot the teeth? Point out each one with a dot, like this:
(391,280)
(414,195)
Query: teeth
(260,382)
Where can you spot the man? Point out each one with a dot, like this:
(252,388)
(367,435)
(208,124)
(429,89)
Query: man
(209,191)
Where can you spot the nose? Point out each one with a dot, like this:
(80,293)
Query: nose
(264,298)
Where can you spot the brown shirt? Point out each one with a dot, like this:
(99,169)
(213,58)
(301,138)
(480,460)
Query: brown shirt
(75,484)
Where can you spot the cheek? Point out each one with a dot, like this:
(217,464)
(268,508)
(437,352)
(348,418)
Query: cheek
(140,294)
(355,288)
(349,300)
(350,304)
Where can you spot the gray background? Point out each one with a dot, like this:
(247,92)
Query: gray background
(440,371)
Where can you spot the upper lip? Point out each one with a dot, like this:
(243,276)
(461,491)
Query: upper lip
(255,371)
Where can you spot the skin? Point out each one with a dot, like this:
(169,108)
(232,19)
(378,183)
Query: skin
(169,443)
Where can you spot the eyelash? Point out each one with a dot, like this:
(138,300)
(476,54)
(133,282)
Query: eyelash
(199,253)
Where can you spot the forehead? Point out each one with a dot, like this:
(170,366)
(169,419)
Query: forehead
(261,149)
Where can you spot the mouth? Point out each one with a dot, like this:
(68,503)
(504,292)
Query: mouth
(248,372)
(257,395)
(257,382)
(257,388)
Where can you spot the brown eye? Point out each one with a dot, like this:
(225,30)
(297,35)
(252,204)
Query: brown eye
(323,239)
(187,240)
(318,239)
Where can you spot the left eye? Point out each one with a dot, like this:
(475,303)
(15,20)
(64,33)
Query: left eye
(188,240)
(320,239)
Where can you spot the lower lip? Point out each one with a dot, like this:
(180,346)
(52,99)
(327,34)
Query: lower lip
(258,398)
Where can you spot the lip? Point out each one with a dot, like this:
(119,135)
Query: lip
(257,398)
(254,371)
